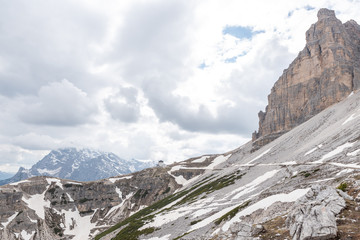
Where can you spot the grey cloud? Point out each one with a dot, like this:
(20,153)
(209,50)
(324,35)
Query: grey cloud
(44,41)
(246,89)
(153,41)
(59,104)
(34,141)
(124,106)
(232,119)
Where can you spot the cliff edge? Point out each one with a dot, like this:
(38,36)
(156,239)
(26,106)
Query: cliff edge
(325,72)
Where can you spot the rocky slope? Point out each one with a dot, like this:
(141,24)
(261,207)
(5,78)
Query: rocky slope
(80,165)
(303,185)
(53,208)
(325,72)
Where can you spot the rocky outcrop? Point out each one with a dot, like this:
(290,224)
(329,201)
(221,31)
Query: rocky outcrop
(313,215)
(326,71)
(49,208)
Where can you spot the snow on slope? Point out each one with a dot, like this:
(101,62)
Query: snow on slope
(280,177)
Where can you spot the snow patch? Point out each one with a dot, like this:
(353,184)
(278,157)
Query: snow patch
(354,153)
(352,117)
(261,155)
(288,163)
(75,183)
(218,160)
(118,191)
(253,185)
(9,219)
(313,150)
(68,195)
(57,182)
(351,165)
(344,171)
(166,237)
(16,183)
(201,212)
(165,218)
(337,150)
(25,235)
(76,225)
(37,203)
(114,179)
(45,171)
(265,203)
(200,160)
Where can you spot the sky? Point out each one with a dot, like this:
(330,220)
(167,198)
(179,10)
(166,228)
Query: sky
(144,79)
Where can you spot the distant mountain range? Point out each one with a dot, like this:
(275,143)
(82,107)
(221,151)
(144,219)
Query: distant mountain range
(5,175)
(80,165)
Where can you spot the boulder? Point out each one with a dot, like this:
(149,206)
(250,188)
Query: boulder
(313,216)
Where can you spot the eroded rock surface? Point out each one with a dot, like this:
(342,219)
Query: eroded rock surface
(314,215)
(325,72)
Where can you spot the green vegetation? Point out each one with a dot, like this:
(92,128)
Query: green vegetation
(316,170)
(181,236)
(307,174)
(210,187)
(343,186)
(84,200)
(131,225)
(229,215)
(195,222)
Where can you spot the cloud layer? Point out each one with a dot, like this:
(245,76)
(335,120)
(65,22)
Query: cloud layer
(151,79)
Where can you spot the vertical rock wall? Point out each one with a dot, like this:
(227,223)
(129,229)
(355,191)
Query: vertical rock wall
(325,72)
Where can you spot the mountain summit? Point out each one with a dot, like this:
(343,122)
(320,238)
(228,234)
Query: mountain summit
(325,72)
(79,164)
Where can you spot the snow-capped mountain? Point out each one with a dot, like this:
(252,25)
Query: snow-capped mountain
(80,165)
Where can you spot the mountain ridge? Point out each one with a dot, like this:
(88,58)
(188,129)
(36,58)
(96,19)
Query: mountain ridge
(81,164)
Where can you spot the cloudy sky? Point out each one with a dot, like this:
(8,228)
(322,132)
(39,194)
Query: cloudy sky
(145,79)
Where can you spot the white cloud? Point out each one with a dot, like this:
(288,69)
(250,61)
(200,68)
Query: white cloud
(59,103)
(134,84)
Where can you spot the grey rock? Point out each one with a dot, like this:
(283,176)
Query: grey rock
(313,215)
(257,229)
(325,72)
(344,195)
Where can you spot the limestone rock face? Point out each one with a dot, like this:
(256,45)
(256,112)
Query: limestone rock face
(313,215)
(326,71)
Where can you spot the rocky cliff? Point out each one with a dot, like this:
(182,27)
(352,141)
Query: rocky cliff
(326,71)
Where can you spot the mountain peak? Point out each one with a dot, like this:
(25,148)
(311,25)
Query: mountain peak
(81,164)
(325,13)
(325,72)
